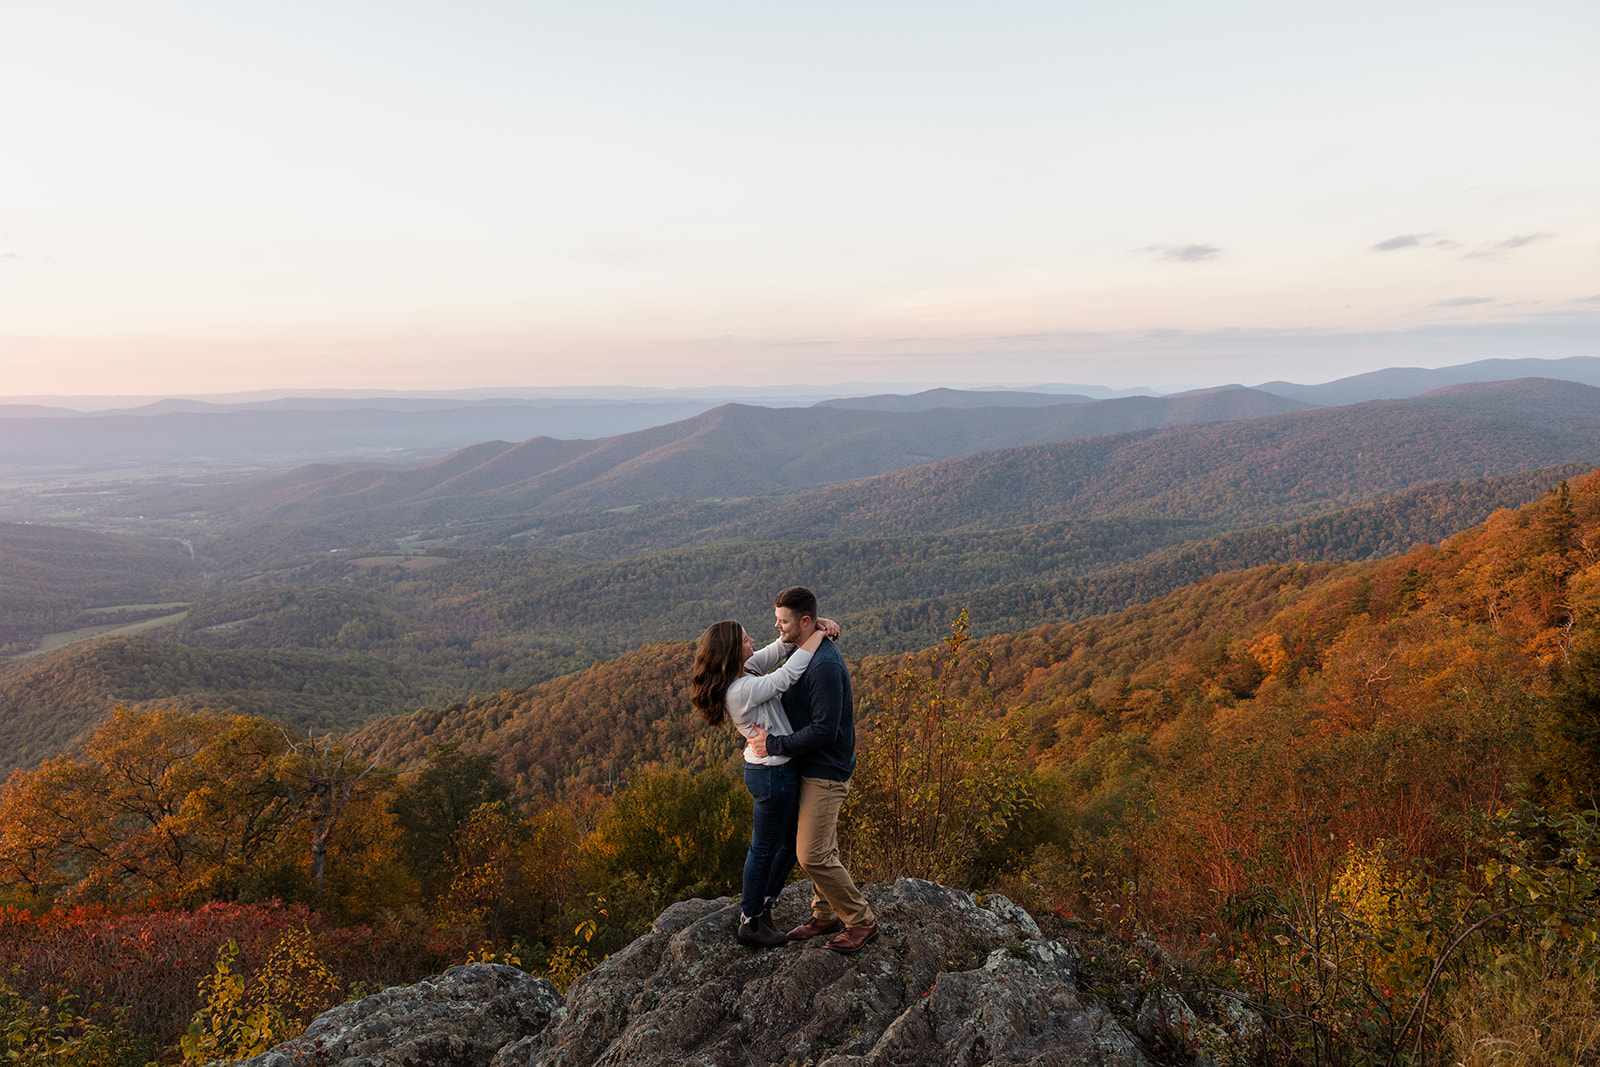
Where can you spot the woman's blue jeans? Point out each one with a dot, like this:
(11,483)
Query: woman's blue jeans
(776,792)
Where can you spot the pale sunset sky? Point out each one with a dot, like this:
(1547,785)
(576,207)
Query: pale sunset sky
(206,197)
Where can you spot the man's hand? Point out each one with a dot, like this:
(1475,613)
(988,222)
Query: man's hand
(758,743)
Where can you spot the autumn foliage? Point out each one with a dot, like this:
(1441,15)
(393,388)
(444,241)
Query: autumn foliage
(1358,795)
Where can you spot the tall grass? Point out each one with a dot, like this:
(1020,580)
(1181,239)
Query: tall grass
(1526,1013)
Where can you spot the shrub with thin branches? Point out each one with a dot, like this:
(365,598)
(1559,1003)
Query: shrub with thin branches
(942,774)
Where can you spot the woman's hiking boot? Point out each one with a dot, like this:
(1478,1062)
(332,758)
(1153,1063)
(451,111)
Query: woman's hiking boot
(759,932)
(774,935)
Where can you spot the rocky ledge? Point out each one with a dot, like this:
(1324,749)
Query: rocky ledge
(463,1016)
(950,980)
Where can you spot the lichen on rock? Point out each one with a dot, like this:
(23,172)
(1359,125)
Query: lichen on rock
(952,979)
(949,980)
(460,1018)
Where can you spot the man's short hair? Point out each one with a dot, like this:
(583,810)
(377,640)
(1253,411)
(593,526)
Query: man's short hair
(798,599)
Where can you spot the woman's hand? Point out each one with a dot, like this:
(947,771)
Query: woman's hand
(825,628)
(814,642)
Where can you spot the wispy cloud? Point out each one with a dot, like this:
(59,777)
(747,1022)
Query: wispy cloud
(1414,240)
(1463,301)
(1394,244)
(1051,335)
(1494,249)
(1184,253)
(1523,239)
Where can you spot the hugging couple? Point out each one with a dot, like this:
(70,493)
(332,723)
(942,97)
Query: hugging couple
(800,722)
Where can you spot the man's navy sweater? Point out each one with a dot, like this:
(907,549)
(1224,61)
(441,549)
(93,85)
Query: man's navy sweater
(822,710)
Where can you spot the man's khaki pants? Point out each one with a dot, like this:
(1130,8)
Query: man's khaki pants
(834,892)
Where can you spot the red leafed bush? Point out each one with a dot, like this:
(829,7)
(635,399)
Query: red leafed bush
(401,948)
(150,963)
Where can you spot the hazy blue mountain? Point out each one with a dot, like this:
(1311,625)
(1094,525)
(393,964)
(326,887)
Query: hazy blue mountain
(951,398)
(1270,469)
(36,411)
(732,451)
(1398,382)
(289,433)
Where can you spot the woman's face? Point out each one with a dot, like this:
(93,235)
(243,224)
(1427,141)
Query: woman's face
(747,649)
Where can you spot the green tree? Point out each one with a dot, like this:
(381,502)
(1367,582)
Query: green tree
(491,871)
(1563,769)
(942,774)
(432,810)
(668,836)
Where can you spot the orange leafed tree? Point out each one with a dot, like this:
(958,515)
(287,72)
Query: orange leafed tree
(165,808)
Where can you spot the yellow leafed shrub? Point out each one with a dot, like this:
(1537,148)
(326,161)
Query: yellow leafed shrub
(243,1018)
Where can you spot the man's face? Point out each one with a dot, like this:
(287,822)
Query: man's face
(794,629)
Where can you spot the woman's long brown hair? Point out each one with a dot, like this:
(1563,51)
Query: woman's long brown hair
(717,664)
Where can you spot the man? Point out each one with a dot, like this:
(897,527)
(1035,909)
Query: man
(821,708)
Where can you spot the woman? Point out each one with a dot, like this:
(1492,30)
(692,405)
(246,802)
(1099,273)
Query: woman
(729,683)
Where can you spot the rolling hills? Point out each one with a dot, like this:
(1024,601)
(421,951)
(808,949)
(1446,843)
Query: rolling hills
(747,473)
(732,451)
(50,702)
(355,643)
(1268,469)
(52,578)
(308,610)
(1387,660)
(1396,382)
(1256,675)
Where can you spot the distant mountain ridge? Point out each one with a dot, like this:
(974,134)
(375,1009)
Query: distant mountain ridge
(731,451)
(192,434)
(43,438)
(952,398)
(580,532)
(1274,468)
(1395,383)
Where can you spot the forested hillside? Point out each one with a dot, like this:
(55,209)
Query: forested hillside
(321,625)
(51,578)
(731,451)
(361,641)
(1372,755)
(590,729)
(350,640)
(50,702)
(1270,469)
(1306,777)
(1502,603)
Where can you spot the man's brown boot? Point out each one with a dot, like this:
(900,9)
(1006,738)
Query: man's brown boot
(815,927)
(853,938)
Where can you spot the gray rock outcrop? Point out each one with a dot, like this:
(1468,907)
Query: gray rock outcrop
(460,1018)
(952,980)
(949,981)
